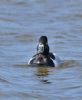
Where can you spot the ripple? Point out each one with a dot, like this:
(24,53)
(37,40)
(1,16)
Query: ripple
(69,63)
(73,87)
(25,37)
(4,80)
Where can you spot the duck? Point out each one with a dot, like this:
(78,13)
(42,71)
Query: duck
(44,57)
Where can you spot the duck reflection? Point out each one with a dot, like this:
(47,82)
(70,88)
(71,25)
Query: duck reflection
(42,73)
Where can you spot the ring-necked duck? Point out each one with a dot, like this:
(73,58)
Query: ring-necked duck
(43,55)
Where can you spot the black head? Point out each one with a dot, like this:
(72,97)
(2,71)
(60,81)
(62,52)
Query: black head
(43,40)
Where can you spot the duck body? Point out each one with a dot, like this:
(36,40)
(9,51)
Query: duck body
(40,59)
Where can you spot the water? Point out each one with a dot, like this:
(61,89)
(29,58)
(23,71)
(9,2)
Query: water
(22,22)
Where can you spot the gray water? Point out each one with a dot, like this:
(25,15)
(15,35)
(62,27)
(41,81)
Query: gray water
(22,22)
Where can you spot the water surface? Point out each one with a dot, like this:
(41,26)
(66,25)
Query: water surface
(22,22)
